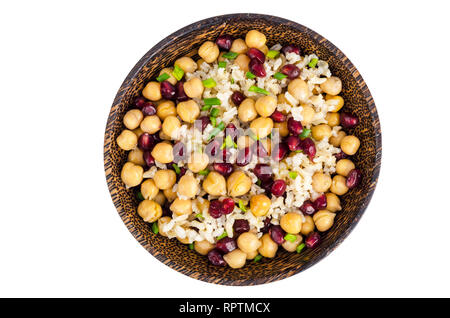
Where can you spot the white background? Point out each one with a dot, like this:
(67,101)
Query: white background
(60,67)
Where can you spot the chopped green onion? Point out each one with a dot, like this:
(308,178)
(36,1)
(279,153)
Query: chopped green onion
(255,138)
(217,130)
(270,136)
(215,112)
(209,83)
(211,101)
(293,174)
(300,247)
(232,81)
(155,228)
(290,237)
(222,64)
(203,172)
(163,77)
(206,107)
(258,182)
(199,215)
(228,143)
(221,126)
(257,258)
(224,234)
(213,121)
(256,89)
(305,133)
(279,76)
(250,75)
(230,55)
(140,196)
(242,206)
(272,54)
(177,73)
(298,151)
(177,169)
(313,62)
(191,246)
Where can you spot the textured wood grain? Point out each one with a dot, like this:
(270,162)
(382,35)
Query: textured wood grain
(357,99)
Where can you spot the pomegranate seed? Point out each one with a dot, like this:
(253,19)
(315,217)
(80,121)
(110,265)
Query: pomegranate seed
(244,157)
(353,179)
(146,141)
(259,150)
(225,169)
(293,143)
(294,126)
(215,209)
(349,120)
(277,234)
(166,209)
(180,94)
(278,116)
(254,53)
(257,68)
(320,203)
(312,240)
(291,71)
(241,226)
(263,171)
(266,225)
(226,245)
(148,158)
(204,121)
(267,186)
(139,102)
(280,152)
(290,49)
(340,155)
(308,147)
(216,258)
(228,205)
(149,109)
(168,90)
(182,172)
(308,207)
(223,157)
(179,152)
(213,148)
(237,98)
(278,188)
(224,42)
(231,130)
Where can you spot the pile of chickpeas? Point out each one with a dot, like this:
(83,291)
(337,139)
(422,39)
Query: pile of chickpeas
(169,102)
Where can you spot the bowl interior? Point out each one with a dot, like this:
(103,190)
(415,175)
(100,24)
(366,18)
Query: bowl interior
(185,42)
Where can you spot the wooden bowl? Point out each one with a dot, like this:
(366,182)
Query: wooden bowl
(185,42)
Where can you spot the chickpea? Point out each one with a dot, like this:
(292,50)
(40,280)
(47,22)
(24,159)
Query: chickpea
(187,186)
(170,126)
(181,207)
(187,64)
(267,144)
(266,105)
(308,226)
(324,220)
(336,140)
(127,140)
(188,111)
(260,204)
(333,202)
(203,206)
(308,115)
(344,166)
(350,145)
(168,70)
(262,127)
(149,211)
(184,240)
(152,91)
(338,186)
(131,174)
(282,128)
(133,118)
(283,100)
(209,51)
(242,60)
(169,194)
(200,62)
(165,109)
(194,87)
(292,246)
(247,111)
(299,89)
(221,58)
(236,258)
(321,182)
(336,101)
(161,222)
(332,85)
(239,46)
(165,179)
(160,198)
(149,189)
(255,39)
(264,49)
(238,183)
(163,152)
(333,119)
(163,136)
(291,222)
(198,162)
(268,247)
(244,142)
(203,247)
(215,184)
(248,242)
(138,132)
(321,131)
(136,156)
(151,124)
(252,255)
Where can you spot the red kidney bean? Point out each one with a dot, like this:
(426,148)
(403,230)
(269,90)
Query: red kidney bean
(294,126)
(223,168)
(241,226)
(148,158)
(237,98)
(290,49)
(146,141)
(212,149)
(216,258)
(308,207)
(149,109)
(267,186)
(179,152)
(263,171)
(257,68)
(259,150)
(291,71)
(139,102)
(180,94)
(277,234)
(266,225)
(349,120)
(353,179)
(293,143)
(278,188)
(279,152)
(204,121)
(308,147)
(166,209)
(341,155)
(215,209)
(278,116)
(167,90)
(226,245)
(228,205)
(254,53)
(244,157)
(320,202)
(224,42)
(313,240)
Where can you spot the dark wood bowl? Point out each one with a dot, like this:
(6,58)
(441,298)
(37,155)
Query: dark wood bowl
(185,42)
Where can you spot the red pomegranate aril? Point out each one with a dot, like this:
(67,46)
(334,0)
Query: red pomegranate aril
(225,169)
(320,203)
(237,98)
(263,171)
(278,116)
(291,71)
(224,42)
(168,90)
(182,172)
(256,54)
(213,148)
(353,179)
(267,186)
(266,225)
(278,188)
(257,68)
(308,147)
(294,126)
(149,109)
(259,150)
(279,152)
(340,155)
(146,141)
(216,258)
(244,157)
(277,234)
(349,120)
(204,121)
(179,152)
(231,130)
(166,209)
(241,226)
(312,240)
(215,209)
(180,94)
(228,205)
(148,158)
(293,143)
(139,102)
(226,245)
(308,207)
(290,49)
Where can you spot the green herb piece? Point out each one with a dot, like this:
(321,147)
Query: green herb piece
(250,75)
(228,143)
(290,237)
(298,151)
(258,182)
(217,130)
(211,101)
(199,215)
(203,172)
(313,62)
(177,73)
(230,55)
(257,258)
(232,81)
(222,64)
(213,121)
(279,76)
(140,196)
(215,112)
(300,247)
(163,77)
(176,168)
(293,174)
(242,206)
(305,133)
(256,89)
(224,234)
(209,83)
(155,228)
(272,54)
(191,246)
(206,107)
